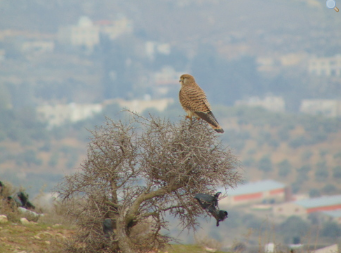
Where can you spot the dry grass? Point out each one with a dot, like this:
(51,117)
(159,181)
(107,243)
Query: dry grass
(32,238)
(186,249)
(208,243)
(48,234)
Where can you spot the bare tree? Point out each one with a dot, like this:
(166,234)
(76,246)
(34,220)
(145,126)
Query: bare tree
(138,171)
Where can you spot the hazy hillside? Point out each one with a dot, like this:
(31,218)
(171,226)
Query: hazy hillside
(235,49)
(299,150)
(262,23)
(302,151)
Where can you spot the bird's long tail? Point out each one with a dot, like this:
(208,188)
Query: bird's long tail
(209,117)
(218,129)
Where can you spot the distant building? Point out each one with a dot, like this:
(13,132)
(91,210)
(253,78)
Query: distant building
(272,64)
(271,103)
(85,33)
(152,47)
(266,63)
(289,209)
(329,249)
(327,66)
(167,76)
(38,46)
(306,206)
(165,79)
(57,115)
(296,197)
(292,59)
(115,28)
(255,192)
(139,106)
(325,107)
(9,34)
(334,215)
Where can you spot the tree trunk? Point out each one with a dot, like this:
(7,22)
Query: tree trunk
(123,239)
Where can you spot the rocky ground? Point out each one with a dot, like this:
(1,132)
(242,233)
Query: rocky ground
(25,237)
(39,237)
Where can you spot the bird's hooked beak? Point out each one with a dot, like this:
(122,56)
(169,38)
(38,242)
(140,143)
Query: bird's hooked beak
(180,81)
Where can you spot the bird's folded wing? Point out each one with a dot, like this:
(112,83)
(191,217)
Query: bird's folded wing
(209,117)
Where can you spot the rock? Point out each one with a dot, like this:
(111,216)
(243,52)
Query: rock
(24,221)
(36,237)
(210,249)
(47,233)
(3,219)
(61,236)
(3,239)
(30,215)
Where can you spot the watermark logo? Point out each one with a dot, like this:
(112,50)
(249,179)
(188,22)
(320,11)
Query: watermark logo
(331,4)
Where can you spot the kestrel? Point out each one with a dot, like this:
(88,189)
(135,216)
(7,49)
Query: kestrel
(193,100)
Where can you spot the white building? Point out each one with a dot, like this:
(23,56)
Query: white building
(166,79)
(115,28)
(139,106)
(255,192)
(167,76)
(57,115)
(334,215)
(152,47)
(307,206)
(85,33)
(327,66)
(38,46)
(329,249)
(326,107)
(271,103)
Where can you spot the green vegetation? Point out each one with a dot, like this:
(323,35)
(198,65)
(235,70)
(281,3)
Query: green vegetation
(337,171)
(21,125)
(32,182)
(331,230)
(28,157)
(293,227)
(265,164)
(321,174)
(303,171)
(284,168)
(306,155)
(337,156)
(329,189)
(313,193)
(53,160)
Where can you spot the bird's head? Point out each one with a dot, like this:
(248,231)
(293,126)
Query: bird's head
(186,79)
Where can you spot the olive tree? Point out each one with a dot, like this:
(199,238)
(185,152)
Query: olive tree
(138,171)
